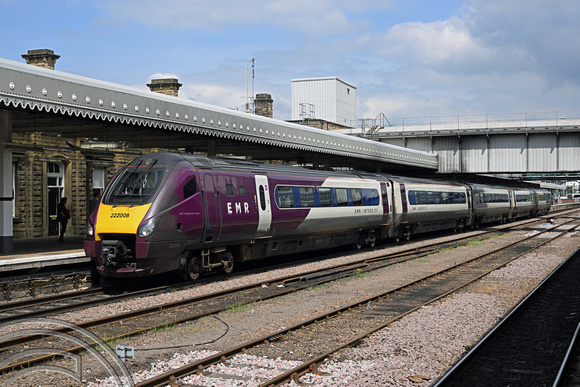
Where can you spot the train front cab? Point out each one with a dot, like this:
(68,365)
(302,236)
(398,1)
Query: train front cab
(146,219)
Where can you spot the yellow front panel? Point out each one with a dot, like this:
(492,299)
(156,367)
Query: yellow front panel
(119,219)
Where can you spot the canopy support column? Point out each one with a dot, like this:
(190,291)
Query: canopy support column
(6,194)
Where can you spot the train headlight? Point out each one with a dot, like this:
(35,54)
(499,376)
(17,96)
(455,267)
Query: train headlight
(90,229)
(148,228)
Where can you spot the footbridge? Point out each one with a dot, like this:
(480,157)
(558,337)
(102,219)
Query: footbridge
(529,144)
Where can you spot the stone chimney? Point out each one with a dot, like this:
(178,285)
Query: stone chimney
(264,105)
(167,86)
(41,58)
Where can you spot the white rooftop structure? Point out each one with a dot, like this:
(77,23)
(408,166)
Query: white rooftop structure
(329,98)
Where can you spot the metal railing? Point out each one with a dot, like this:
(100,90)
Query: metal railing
(470,122)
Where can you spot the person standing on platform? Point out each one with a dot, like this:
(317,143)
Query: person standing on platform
(63,216)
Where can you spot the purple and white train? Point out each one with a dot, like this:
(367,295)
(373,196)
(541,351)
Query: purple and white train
(192,214)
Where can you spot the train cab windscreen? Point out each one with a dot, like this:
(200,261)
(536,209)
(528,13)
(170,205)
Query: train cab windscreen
(134,186)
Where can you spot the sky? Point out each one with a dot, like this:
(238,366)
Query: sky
(407,58)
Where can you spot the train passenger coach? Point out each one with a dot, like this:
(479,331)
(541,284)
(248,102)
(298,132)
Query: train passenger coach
(192,214)
(173,212)
(423,205)
(490,204)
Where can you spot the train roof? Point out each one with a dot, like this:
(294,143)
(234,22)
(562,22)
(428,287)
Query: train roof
(239,165)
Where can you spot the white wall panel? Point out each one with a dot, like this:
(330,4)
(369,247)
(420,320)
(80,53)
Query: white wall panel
(569,157)
(542,152)
(508,153)
(420,143)
(447,150)
(474,154)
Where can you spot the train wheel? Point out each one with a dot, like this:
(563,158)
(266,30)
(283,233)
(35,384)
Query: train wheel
(399,237)
(193,271)
(227,259)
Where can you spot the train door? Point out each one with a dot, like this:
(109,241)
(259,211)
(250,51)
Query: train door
(264,206)
(513,204)
(403,203)
(211,214)
(386,199)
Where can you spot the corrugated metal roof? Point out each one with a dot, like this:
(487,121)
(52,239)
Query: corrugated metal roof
(28,87)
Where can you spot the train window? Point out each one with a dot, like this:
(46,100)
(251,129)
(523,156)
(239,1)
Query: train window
(412,197)
(325,197)
(242,190)
(430,198)
(438,197)
(356,195)
(370,197)
(422,197)
(341,197)
(189,189)
(230,189)
(444,197)
(450,199)
(285,196)
(306,196)
(134,186)
(262,198)
(462,198)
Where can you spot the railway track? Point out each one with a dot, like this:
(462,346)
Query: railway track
(354,322)
(15,290)
(290,284)
(60,303)
(83,298)
(530,346)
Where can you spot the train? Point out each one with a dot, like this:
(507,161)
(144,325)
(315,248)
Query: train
(190,214)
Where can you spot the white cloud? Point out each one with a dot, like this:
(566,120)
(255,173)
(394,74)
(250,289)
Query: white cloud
(489,56)
(321,17)
(218,95)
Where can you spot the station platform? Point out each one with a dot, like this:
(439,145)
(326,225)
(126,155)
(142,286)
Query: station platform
(37,253)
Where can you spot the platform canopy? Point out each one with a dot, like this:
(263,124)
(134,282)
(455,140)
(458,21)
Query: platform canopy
(51,101)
